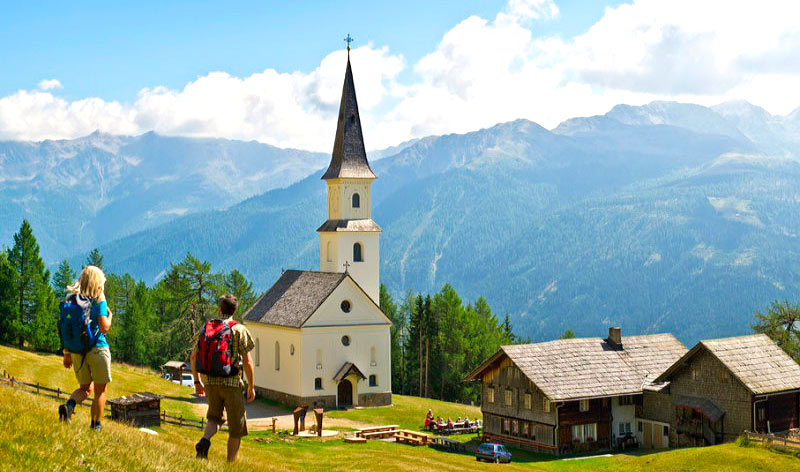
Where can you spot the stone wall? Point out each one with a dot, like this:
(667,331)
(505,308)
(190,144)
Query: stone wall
(374,399)
(327,402)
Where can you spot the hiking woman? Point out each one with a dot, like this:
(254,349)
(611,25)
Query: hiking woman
(86,348)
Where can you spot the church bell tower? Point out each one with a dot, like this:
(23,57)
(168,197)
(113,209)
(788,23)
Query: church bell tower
(349,239)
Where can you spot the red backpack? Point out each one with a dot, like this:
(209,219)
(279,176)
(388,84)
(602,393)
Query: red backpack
(215,349)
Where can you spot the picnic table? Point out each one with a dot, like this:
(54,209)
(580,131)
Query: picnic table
(457,428)
(447,443)
(414,438)
(377,432)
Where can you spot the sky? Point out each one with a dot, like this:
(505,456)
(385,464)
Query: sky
(272,71)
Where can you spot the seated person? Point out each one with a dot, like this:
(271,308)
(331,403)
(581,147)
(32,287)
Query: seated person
(429,415)
(449,423)
(466,422)
(458,420)
(427,422)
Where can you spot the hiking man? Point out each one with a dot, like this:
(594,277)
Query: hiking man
(84,321)
(219,348)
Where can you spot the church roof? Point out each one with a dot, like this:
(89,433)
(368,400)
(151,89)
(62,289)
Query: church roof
(349,157)
(294,298)
(348,225)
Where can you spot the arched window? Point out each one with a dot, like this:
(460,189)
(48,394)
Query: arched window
(373,380)
(356,200)
(258,352)
(329,252)
(357,257)
(373,357)
(318,383)
(277,355)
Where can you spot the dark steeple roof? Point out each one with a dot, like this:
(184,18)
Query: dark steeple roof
(349,158)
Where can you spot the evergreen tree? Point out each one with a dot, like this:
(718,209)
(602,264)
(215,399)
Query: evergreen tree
(781,323)
(95,258)
(33,296)
(567,334)
(237,284)
(398,324)
(413,348)
(508,330)
(63,277)
(9,308)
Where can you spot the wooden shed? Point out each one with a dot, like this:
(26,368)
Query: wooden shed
(176,369)
(139,409)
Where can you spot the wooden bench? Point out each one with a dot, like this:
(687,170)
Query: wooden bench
(447,443)
(411,437)
(354,439)
(376,429)
(380,434)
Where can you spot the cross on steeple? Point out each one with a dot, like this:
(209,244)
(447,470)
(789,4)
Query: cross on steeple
(348,40)
(346,266)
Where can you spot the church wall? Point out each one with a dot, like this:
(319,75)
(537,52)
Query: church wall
(367,272)
(340,199)
(287,378)
(362,310)
(333,354)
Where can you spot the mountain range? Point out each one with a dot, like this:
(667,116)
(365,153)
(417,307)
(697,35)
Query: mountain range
(664,217)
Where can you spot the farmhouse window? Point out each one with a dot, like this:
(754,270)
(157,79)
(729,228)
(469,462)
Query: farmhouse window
(666,430)
(508,397)
(626,400)
(527,401)
(577,432)
(526,429)
(624,428)
(490,394)
(584,405)
(506,426)
(695,373)
(723,376)
(515,427)
(546,405)
(591,432)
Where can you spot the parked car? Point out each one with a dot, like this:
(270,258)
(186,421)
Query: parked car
(491,452)
(187,380)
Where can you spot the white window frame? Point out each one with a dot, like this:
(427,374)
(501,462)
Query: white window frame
(583,405)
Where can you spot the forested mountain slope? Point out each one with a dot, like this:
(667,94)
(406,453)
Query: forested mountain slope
(661,223)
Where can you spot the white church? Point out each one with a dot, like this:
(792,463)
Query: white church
(321,337)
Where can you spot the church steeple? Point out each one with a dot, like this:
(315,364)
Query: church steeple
(349,239)
(349,157)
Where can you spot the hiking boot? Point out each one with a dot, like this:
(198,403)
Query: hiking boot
(96,426)
(65,413)
(202,448)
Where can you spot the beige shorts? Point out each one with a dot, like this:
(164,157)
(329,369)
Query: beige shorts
(96,368)
(231,400)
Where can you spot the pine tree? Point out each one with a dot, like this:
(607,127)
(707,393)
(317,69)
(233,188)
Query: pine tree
(9,308)
(95,258)
(36,316)
(567,334)
(237,284)
(63,277)
(508,330)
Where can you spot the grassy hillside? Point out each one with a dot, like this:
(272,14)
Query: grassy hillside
(48,371)
(31,440)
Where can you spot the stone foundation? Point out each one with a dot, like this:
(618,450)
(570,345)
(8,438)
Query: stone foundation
(374,399)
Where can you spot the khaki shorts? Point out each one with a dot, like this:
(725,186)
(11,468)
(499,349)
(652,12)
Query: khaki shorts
(96,368)
(231,400)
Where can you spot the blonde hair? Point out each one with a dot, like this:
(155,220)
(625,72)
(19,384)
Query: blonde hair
(92,283)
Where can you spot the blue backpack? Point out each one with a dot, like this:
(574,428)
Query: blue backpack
(74,324)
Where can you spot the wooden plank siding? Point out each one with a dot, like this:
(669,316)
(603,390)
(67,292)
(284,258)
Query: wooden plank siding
(599,413)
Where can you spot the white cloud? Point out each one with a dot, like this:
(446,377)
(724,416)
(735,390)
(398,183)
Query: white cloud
(50,84)
(482,72)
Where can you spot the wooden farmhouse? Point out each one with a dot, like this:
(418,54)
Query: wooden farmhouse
(574,395)
(722,387)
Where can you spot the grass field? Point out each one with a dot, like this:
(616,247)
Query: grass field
(408,412)
(31,439)
(48,370)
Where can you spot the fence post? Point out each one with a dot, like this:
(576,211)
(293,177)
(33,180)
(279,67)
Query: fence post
(202,423)
(58,393)
(37,388)
(180,420)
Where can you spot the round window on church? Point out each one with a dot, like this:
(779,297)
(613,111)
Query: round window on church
(345,306)
(346,340)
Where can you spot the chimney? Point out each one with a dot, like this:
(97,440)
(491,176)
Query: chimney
(615,336)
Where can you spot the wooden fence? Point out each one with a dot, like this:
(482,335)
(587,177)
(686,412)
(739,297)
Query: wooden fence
(772,440)
(59,394)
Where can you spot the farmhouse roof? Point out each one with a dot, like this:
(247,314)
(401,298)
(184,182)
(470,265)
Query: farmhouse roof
(760,364)
(349,157)
(580,368)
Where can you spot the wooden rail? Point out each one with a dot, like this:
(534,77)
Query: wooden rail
(39,389)
(772,440)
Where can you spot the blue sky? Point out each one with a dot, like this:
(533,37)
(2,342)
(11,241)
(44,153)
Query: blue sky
(272,71)
(113,49)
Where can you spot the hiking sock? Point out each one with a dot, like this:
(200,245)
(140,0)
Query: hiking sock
(202,448)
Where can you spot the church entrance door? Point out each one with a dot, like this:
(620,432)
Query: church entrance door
(345,393)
